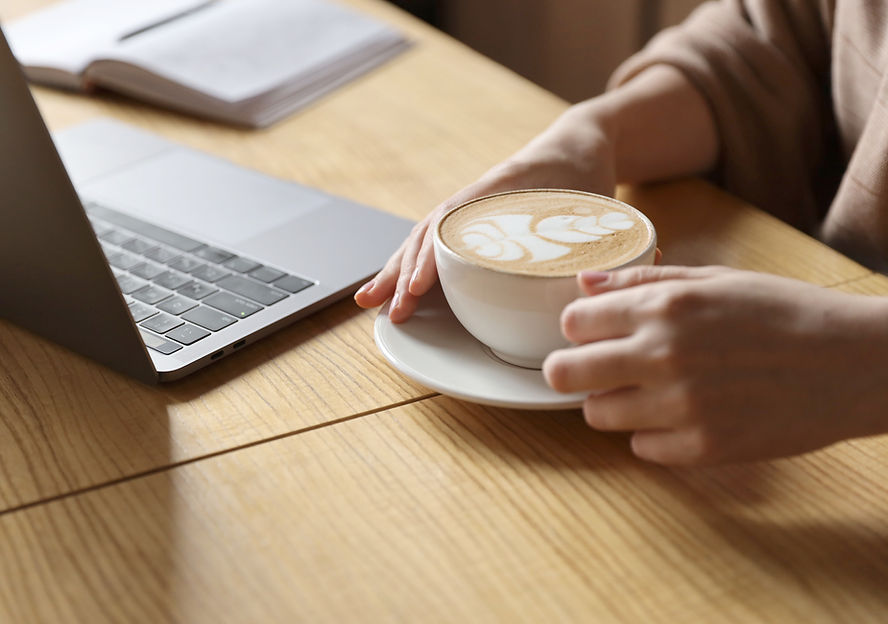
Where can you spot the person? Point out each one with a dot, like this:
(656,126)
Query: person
(785,104)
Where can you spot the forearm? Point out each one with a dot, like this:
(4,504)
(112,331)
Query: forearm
(656,126)
(863,373)
(661,127)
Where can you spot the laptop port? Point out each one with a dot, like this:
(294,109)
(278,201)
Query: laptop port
(217,355)
(239,343)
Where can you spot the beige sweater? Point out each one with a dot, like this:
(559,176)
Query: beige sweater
(799,94)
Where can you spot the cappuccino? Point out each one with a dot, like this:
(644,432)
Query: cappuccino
(547,233)
(507,263)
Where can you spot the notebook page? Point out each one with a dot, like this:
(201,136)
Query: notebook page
(68,35)
(238,49)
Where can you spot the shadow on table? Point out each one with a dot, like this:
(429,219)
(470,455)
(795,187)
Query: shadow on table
(846,556)
(562,439)
(758,513)
(79,443)
(255,354)
(70,424)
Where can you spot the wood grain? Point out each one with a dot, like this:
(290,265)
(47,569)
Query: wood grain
(697,224)
(66,423)
(874,284)
(442,511)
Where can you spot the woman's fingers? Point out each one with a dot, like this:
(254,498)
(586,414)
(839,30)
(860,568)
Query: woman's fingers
(595,282)
(686,446)
(619,302)
(632,409)
(379,289)
(403,303)
(608,316)
(426,272)
(600,366)
(396,277)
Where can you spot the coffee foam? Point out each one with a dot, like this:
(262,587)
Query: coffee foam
(551,233)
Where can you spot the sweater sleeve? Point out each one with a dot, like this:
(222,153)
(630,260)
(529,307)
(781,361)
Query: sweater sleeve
(763,68)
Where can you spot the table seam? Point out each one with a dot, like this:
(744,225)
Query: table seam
(192,460)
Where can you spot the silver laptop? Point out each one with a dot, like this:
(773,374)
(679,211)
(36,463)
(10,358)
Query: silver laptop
(155,259)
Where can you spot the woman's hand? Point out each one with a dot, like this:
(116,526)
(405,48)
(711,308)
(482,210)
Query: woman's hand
(710,365)
(573,153)
(656,126)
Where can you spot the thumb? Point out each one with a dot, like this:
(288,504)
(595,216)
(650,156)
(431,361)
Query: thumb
(594,282)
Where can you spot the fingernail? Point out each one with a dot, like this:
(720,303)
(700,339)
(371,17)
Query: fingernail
(591,278)
(395,301)
(413,278)
(366,287)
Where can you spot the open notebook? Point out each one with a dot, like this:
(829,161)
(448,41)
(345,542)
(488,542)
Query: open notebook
(247,62)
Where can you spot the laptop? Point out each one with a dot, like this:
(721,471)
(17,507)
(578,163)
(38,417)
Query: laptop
(155,259)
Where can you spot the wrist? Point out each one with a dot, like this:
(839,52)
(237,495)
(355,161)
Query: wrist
(601,128)
(573,152)
(659,126)
(870,417)
(587,133)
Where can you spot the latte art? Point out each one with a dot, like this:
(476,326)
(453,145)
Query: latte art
(546,232)
(511,237)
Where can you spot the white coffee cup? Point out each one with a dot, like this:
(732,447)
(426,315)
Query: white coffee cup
(514,310)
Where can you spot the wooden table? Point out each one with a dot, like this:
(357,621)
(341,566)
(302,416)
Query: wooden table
(306,480)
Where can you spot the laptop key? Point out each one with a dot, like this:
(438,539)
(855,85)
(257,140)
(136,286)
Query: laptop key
(162,323)
(147,270)
(140,311)
(150,294)
(187,334)
(266,274)
(116,237)
(185,264)
(208,318)
(216,256)
(122,260)
(128,283)
(241,265)
(160,254)
(234,305)
(292,284)
(157,343)
(252,290)
(137,245)
(171,280)
(176,304)
(209,273)
(196,290)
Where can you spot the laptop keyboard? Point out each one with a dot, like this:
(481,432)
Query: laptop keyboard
(179,290)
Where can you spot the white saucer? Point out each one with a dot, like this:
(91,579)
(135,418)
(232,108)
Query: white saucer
(434,349)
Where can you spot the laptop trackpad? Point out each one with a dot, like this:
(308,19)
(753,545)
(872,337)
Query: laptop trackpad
(204,197)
